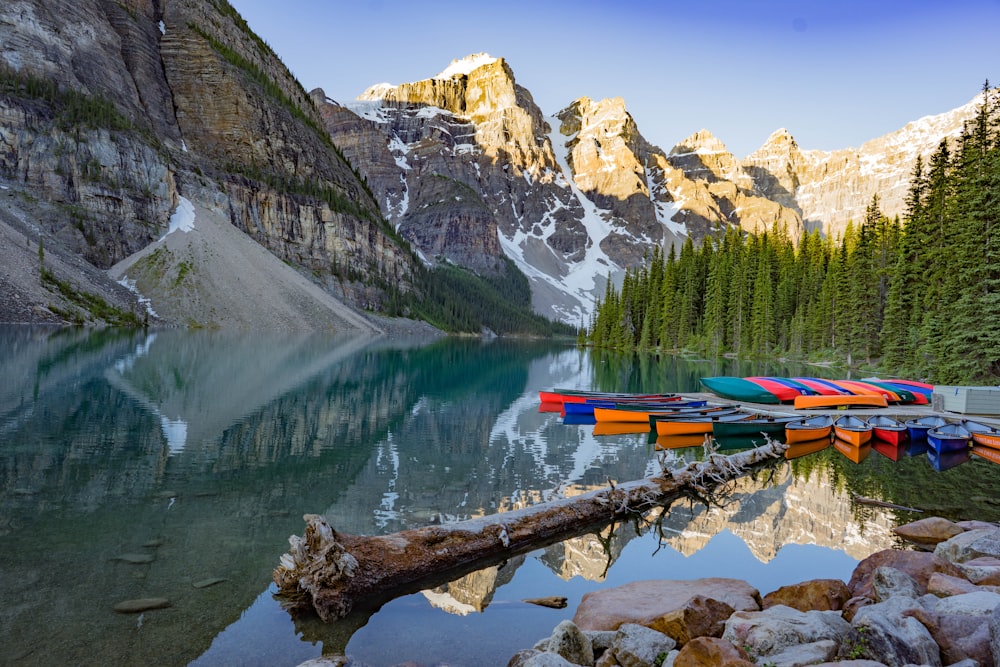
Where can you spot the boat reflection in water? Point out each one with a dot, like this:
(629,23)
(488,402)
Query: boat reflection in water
(854,453)
(942,461)
(800,449)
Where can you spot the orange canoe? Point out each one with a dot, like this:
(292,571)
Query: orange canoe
(857,401)
(805,430)
(694,425)
(852,430)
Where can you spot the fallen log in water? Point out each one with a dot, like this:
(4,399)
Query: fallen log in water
(331,573)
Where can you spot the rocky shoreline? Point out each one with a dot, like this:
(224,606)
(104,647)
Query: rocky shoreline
(936,605)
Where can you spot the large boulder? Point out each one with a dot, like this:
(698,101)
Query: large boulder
(569,642)
(769,632)
(970,544)
(712,652)
(917,564)
(984,571)
(943,585)
(928,533)
(995,635)
(638,646)
(890,633)
(889,582)
(961,626)
(816,594)
(805,654)
(682,609)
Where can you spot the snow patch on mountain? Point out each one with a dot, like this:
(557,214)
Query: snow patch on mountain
(582,281)
(465,66)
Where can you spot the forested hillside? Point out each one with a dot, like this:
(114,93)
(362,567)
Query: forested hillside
(920,296)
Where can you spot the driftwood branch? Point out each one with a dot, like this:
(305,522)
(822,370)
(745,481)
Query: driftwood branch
(333,573)
(881,503)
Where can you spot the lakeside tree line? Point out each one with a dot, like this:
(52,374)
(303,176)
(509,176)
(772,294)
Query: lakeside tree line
(920,297)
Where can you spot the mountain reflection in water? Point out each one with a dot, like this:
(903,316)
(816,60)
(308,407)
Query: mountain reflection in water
(176,464)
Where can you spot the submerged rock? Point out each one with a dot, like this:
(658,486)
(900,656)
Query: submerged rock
(141,604)
(135,559)
(211,581)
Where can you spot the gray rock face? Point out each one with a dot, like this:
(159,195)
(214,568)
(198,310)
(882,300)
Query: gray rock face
(979,543)
(573,645)
(888,582)
(637,646)
(805,654)
(889,633)
(777,628)
(180,96)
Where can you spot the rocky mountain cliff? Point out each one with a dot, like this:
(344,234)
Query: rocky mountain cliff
(468,168)
(109,111)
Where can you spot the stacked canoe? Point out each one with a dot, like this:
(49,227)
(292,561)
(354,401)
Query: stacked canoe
(809,392)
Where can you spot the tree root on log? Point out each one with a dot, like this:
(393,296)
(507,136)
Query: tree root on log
(332,573)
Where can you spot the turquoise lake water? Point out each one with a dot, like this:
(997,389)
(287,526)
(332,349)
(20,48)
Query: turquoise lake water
(140,465)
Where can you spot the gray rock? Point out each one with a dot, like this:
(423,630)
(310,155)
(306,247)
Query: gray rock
(600,640)
(888,633)
(569,642)
(981,570)
(970,544)
(768,632)
(889,582)
(978,603)
(521,657)
(547,660)
(995,635)
(805,654)
(639,646)
(968,662)
(327,661)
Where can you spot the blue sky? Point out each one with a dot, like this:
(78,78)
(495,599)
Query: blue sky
(835,73)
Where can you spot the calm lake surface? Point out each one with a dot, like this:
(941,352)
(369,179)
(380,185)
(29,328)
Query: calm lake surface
(176,464)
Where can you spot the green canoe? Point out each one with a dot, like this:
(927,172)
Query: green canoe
(773,426)
(738,389)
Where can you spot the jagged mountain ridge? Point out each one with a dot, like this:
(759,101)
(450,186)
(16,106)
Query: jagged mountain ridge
(582,195)
(465,165)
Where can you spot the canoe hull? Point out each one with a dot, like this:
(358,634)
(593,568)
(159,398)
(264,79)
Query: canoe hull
(751,427)
(693,426)
(808,429)
(842,401)
(738,389)
(887,429)
(948,438)
(852,431)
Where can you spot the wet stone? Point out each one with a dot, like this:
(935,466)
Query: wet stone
(141,604)
(135,559)
(211,581)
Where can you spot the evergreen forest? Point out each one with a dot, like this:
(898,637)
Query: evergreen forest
(917,297)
